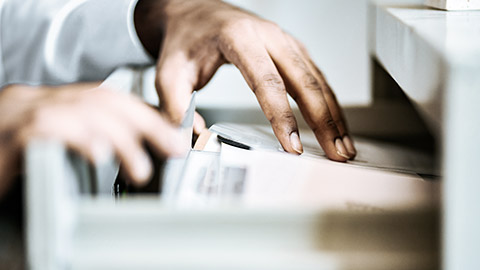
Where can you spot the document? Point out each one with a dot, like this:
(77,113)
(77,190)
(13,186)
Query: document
(281,179)
(371,153)
(219,173)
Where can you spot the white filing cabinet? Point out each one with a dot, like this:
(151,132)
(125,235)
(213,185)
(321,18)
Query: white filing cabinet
(434,56)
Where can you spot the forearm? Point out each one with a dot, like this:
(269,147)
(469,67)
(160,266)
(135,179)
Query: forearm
(150,21)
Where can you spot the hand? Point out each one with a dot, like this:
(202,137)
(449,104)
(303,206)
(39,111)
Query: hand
(91,121)
(192,39)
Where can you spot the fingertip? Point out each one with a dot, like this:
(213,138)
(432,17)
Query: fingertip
(331,142)
(295,143)
(287,134)
(335,150)
(341,149)
(141,169)
(175,80)
(198,124)
(349,145)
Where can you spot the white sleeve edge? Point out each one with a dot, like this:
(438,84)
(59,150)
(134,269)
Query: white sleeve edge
(133,32)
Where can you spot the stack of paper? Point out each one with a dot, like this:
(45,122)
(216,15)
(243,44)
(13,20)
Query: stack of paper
(265,209)
(454,4)
(383,177)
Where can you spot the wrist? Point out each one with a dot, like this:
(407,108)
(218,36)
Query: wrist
(152,18)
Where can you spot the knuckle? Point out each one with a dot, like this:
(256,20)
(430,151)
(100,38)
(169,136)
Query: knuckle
(282,118)
(330,123)
(339,122)
(39,118)
(310,82)
(324,124)
(297,60)
(36,126)
(200,50)
(270,82)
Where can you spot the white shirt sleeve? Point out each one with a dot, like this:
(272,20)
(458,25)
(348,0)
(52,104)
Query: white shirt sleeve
(2,70)
(63,41)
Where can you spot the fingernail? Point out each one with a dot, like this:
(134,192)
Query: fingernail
(349,145)
(341,150)
(295,142)
(143,168)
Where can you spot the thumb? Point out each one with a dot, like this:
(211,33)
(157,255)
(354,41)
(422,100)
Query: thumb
(198,124)
(175,81)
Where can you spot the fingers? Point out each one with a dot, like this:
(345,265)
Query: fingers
(315,99)
(263,78)
(99,123)
(175,81)
(109,131)
(182,69)
(333,105)
(129,128)
(152,127)
(336,111)
(272,63)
